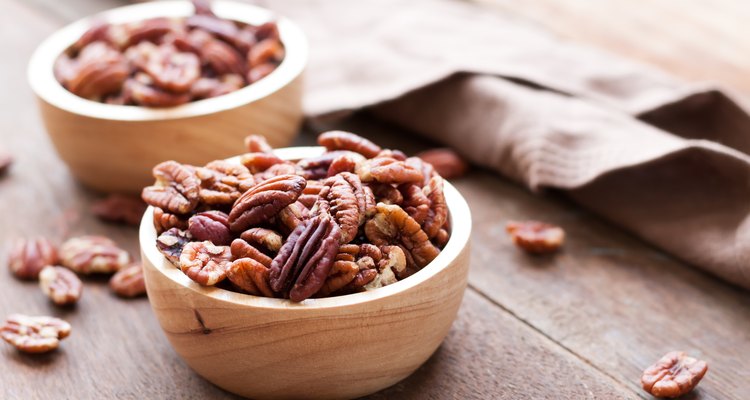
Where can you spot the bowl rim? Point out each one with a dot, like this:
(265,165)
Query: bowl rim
(459,216)
(40,72)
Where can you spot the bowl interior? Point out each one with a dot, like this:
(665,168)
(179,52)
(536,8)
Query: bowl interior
(42,80)
(460,219)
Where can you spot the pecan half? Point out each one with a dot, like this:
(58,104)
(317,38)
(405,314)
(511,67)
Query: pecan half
(291,216)
(212,226)
(142,92)
(388,170)
(205,87)
(34,334)
(390,267)
(60,284)
(446,162)
(673,375)
(257,144)
(415,203)
(342,273)
(305,260)
(117,208)
(171,69)
(223,182)
(259,162)
(267,238)
(536,237)
(28,256)
(393,226)
(437,213)
(171,243)
(340,140)
(243,249)
(128,282)
(176,189)
(264,201)
(164,221)
(250,276)
(205,263)
(266,51)
(99,70)
(346,162)
(93,255)
(348,206)
(386,193)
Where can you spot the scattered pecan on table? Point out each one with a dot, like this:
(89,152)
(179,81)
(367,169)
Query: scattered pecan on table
(446,162)
(93,255)
(61,285)
(536,237)
(355,218)
(674,375)
(165,62)
(128,282)
(119,209)
(27,257)
(34,334)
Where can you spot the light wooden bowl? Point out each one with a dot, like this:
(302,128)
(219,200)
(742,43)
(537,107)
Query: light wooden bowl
(112,148)
(329,348)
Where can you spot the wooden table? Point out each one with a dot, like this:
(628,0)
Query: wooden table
(582,324)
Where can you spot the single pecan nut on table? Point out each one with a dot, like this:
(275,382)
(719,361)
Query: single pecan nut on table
(27,257)
(120,209)
(176,190)
(536,237)
(304,262)
(128,282)
(93,255)
(205,262)
(264,201)
(34,334)
(171,243)
(60,284)
(212,226)
(446,162)
(673,375)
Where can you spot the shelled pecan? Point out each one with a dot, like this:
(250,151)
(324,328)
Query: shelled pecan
(60,284)
(536,237)
(34,334)
(27,257)
(120,209)
(93,255)
(128,282)
(673,375)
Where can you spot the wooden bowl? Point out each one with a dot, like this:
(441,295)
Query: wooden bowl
(338,347)
(112,148)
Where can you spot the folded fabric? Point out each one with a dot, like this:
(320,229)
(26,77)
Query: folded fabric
(664,159)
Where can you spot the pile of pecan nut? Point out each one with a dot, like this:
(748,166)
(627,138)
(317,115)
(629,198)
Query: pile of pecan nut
(354,218)
(163,62)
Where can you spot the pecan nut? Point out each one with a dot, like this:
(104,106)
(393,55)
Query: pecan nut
(223,182)
(93,255)
(673,375)
(128,282)
(171,69)
(205,262)
(212,226)
(61,285)
(34,334)
(393,226)
(348,205)
(536,237)
(264,201)
(120,209)
(305,260)
(446,162)
(342,273)
(171,243)
(340,140)
(98,71)
(176,189)
(437,214)
(243,249)
(388,170)
(141,90)
(6,160)
(257,144)
(390,267)
(27,257)
(164,221)
(250,276)
(267,238)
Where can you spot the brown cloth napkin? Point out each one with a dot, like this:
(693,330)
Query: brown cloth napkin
(664,159)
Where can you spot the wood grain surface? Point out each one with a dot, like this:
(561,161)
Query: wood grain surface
(582,324)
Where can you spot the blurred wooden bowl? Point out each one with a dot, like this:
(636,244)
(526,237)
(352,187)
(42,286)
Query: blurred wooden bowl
(112,148)
(328,348)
